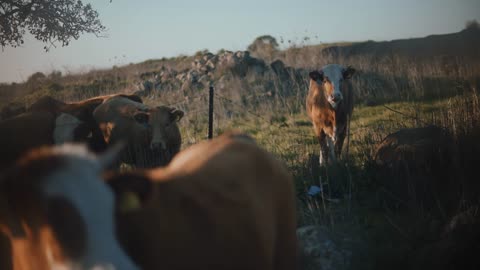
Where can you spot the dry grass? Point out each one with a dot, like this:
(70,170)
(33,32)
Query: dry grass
(393,92)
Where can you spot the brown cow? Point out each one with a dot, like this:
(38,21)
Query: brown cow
(83,111)
(57,213)
(330,106)
(221,204)
(21,133)
(26,131)
(150,132)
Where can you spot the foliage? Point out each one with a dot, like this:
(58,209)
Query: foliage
(50,21)
(264,47)
(472,24)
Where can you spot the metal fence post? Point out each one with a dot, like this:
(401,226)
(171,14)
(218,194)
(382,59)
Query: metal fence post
(210,113)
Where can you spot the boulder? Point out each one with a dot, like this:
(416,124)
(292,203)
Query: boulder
(457,248)
(417,166)
(239,63)
(319,250)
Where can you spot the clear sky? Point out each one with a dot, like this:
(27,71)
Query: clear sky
(149,29)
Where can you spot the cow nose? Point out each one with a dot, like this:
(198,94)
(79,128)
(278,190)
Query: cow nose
(158,146)
(337,97)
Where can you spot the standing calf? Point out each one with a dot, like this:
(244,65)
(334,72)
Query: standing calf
(329,106)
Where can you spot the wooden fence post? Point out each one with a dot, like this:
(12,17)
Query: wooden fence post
(210,113)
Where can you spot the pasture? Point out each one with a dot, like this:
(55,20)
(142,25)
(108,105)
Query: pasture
(370,227)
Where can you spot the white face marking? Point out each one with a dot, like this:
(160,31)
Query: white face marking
(334,73)
(80,183)
(65,126)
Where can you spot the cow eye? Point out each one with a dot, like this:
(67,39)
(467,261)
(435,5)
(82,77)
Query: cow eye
(141,118)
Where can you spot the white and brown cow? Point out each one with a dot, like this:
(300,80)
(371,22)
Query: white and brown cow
(81,110)
(26,131)
(150,132)
(49,121)
(330,106)
(57,213)
(221,204)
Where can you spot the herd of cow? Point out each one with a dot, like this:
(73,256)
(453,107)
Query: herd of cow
(220,204)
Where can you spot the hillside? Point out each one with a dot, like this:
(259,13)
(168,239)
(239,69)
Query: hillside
(463,44)
(399,84)
(388,71)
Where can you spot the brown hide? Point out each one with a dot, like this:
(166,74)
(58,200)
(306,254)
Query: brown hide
(221,204)
(22,133)
(81,109)
(89,130)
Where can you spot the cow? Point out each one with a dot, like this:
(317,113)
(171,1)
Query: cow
(220,204)
(33,129)
(69,128)
(152,133)
(12,109)
(57,213)
(330,106)
(83,111)
(21,133)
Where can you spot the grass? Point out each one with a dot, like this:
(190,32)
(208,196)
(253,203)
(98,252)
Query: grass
(393,92)
(352,203)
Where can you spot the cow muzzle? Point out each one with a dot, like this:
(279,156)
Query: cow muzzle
(335,99)
(161,145)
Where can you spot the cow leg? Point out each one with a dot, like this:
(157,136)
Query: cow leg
(322,139)
(339,143)
(331,150)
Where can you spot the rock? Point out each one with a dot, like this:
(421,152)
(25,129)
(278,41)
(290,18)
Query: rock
(140,93)
(239,63)
(191,76)
(210,65)
(416,166)
(278,67)
(207,56)
(414,145)
(318,250)
(457,248)
(181,76)
(148,86)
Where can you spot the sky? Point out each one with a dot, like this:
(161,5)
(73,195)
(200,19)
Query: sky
(151,29)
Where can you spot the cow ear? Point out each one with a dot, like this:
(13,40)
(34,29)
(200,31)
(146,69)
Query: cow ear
(348,72)
(316,75)
(176,115)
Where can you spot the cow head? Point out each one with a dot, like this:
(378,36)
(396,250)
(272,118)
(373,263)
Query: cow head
(332,78)
(149,131)
(163,121)
(58,213)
